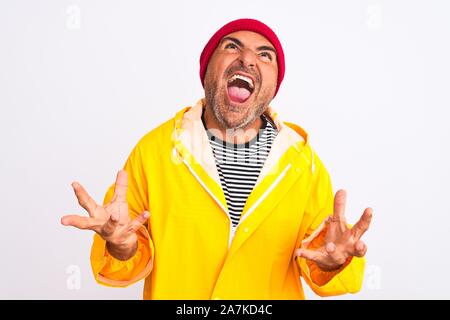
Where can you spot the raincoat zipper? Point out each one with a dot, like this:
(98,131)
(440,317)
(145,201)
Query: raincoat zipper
(265,194)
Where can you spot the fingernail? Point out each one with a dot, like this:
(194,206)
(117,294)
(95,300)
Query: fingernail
(146,214)
(331,247)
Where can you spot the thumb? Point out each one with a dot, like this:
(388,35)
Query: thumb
(78,222)
(308,254)
(138,221)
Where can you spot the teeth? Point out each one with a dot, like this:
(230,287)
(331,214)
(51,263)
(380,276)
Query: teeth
(246,79)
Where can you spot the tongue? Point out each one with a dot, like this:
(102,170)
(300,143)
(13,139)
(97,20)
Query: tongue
(237,94)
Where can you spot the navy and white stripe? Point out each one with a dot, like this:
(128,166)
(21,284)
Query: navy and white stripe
(239,166)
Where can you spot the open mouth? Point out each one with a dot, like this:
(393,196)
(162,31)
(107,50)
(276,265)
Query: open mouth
(240,88)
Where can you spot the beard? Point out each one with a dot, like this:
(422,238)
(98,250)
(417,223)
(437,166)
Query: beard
(232,117)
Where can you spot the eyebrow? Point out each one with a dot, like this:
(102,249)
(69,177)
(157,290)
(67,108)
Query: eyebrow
(240,44)
(237,41)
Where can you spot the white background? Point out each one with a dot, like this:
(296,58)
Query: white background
(82,81)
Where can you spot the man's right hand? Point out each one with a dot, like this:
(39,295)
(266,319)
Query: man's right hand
(111,221)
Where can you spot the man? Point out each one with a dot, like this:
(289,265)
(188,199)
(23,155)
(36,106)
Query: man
(240,205)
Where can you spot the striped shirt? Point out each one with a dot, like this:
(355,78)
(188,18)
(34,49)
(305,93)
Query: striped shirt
(239,165)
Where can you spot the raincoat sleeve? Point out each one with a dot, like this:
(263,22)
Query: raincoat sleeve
(109,270)
(347,279)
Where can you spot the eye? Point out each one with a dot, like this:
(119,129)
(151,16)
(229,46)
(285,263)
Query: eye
(231,46)
(266,55)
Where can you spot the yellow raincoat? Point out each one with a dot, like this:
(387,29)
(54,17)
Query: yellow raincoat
(188,251)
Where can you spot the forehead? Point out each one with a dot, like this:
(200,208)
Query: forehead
(250,38)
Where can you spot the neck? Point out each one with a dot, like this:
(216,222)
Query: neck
(237,136)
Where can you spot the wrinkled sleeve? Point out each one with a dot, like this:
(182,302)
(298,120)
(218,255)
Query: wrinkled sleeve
(347,279)
(108,270)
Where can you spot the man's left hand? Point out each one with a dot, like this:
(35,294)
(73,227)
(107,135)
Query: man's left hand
(341,242)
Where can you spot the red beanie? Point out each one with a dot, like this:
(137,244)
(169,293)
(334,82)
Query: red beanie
(240,25)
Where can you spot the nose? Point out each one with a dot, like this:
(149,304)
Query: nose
(247,58)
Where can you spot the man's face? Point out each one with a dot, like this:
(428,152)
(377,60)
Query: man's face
(241,78)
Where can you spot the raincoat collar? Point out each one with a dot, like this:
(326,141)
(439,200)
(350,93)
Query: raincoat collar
(190,132)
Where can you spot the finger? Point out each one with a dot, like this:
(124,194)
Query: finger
(360,249)
(84,199)
(335,254)
(339,205)
(332,231)
(363,223)
(139,221)
(79,222)
(121,184)
(312,255)
(111,225)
